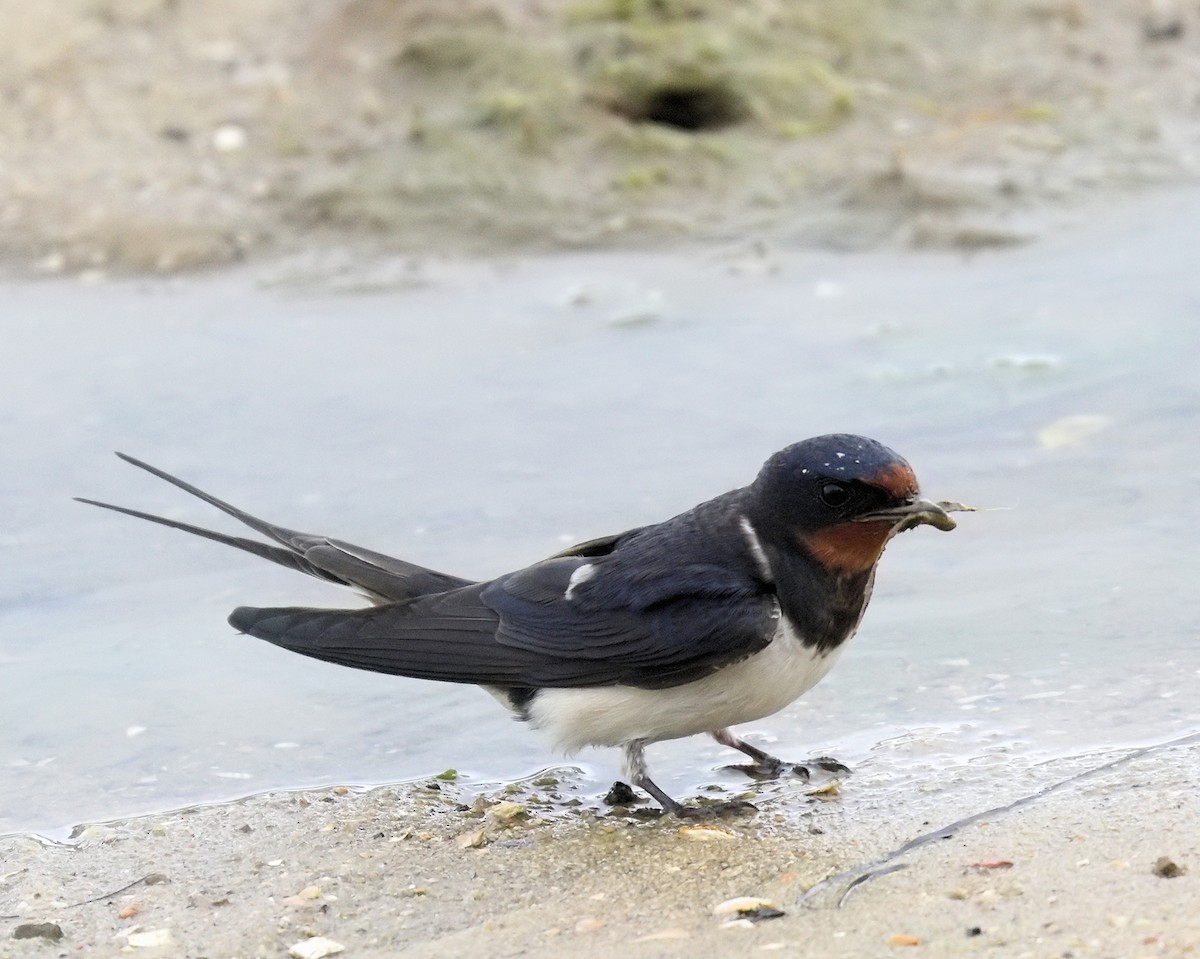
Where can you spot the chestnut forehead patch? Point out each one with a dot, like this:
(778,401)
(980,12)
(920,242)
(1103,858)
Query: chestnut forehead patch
(896,479)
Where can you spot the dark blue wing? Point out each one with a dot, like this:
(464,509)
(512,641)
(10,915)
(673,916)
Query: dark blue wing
(662,624)
(660,628)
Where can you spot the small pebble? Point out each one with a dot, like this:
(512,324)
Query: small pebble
(620,795)
(50,931)
(229,138)
(1168,868)
(507,812)
(317,947)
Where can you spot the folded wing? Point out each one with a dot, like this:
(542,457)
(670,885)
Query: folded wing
(522,630)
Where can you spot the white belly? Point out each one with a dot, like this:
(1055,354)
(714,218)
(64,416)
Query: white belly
(756,687)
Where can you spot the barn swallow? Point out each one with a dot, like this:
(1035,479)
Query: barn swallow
(721,615)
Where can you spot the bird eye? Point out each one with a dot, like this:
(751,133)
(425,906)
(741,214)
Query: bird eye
(835,494)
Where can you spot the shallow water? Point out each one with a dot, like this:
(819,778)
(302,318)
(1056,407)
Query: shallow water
(477,417)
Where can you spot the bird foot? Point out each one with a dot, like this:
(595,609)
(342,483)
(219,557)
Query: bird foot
(622,795)
(759,770)
(824,764)
(773,768)
(735,807)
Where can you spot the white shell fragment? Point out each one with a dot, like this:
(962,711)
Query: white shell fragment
(150,939)
(832,787)
(475,839)
(707,833)
(229,138)
(316,948)
(1072,431)
(739,905)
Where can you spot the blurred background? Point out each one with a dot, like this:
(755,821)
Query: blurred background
(160,135)
(469,282)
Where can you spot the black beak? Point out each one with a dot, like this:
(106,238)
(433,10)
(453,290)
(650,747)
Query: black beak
(908,515)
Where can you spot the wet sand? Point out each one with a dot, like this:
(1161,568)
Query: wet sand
(1105,865)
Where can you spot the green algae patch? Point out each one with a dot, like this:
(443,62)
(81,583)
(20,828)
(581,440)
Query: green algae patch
(703,66)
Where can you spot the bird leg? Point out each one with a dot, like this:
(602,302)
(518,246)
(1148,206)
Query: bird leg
(770,767)
(764,764)
(635,770)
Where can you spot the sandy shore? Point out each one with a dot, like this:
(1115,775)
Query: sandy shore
(1106,864)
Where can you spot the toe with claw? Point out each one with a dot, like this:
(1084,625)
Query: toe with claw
(766,766)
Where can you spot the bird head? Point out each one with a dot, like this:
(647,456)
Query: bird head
(839,498)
